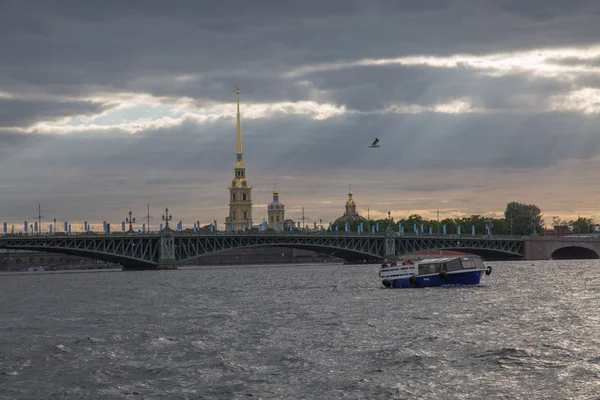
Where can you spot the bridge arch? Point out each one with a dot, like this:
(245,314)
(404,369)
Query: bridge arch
(334,251)
(574,253)
(124,260)
(486,254)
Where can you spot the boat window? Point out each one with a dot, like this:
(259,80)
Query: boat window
(453,265)
(468,263)
(429,269)
(479,263)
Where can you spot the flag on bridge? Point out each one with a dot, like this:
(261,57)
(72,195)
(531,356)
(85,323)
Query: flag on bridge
(444,229)
(50,228)
(66,227)
(473,230)
(35,227)
(458,229)
(5,228)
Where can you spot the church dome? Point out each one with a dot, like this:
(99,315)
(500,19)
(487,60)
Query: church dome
(276,204)
(350,215)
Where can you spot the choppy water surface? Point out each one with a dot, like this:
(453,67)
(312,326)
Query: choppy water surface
(300,332)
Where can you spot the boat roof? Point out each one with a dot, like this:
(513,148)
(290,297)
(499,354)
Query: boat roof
(442,259)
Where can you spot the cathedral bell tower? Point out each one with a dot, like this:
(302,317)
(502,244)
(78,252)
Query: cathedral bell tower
(240,199)
(276,211)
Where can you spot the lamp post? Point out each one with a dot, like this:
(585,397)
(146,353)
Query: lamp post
(130,221)
(166,218)
(389,227)
(39,217)
(148,216)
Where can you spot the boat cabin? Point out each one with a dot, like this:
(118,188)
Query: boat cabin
(449,264)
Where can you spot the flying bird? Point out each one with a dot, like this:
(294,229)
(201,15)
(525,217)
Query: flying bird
(375,143)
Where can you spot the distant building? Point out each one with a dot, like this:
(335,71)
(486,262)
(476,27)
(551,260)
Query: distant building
(276,211)
(559,230)
(240,191)
(350,215)
(289,223)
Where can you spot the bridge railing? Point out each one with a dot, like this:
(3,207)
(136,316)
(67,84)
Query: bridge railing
(265,233)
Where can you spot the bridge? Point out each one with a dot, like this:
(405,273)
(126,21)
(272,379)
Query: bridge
(168,249)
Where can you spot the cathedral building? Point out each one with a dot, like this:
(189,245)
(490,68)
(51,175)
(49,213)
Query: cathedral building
(350,214)
(275,211)
(240,191)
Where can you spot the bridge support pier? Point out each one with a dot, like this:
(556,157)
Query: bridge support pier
(390,247)
(167,250)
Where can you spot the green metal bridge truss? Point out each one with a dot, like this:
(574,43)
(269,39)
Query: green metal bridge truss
(168,249)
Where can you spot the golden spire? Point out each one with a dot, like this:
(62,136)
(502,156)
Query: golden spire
(350,202)
(239,127)
(275,191)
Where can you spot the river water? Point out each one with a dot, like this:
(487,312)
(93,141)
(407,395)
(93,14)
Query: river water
(529,331)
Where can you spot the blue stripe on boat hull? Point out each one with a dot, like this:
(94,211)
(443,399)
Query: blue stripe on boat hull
(464,278)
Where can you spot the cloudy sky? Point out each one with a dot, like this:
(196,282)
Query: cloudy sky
(106,106)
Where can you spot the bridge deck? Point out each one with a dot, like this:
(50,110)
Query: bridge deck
(150,250)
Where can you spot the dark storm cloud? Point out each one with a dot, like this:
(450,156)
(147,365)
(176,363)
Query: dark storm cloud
(80,49)
(549,10)
(22,113)
(376,87)
(408,143)
(73,45)
(575,61)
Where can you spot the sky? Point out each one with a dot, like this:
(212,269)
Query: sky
(108,106)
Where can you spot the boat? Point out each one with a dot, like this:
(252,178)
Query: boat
(458,270)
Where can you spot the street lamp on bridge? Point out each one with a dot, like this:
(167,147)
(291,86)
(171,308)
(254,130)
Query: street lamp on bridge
(167,217)
(130,221)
